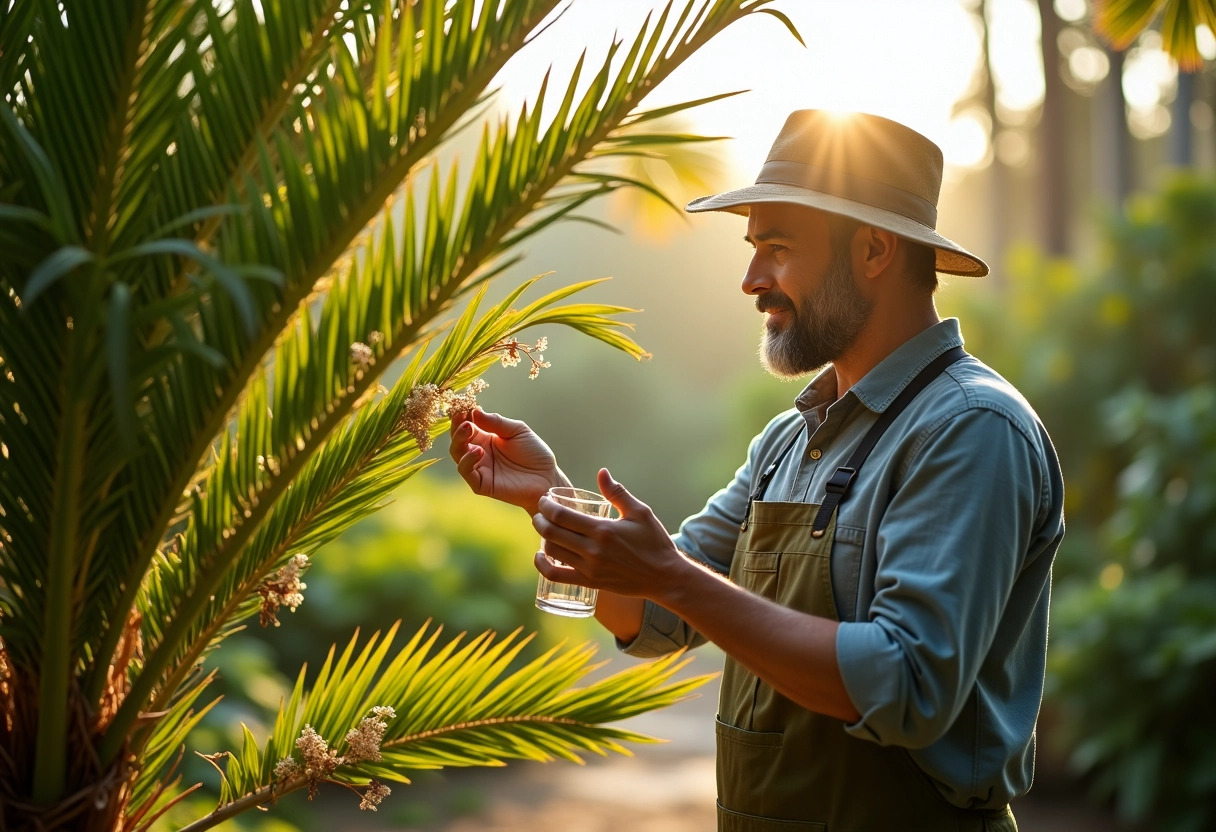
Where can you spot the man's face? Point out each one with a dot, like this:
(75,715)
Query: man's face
(805,285)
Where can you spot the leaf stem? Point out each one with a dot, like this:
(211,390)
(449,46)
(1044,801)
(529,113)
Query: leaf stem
(263,795)
(50,763)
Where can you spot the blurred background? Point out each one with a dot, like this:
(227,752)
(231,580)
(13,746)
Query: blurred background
(1083,175)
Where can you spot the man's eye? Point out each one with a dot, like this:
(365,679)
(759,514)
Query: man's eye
(776,249)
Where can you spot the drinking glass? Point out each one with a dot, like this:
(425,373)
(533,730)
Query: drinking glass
(568,599)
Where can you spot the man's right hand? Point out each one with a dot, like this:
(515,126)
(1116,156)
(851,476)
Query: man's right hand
(502,458)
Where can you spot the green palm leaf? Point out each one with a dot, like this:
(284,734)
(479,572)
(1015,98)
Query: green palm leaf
(1122,21)
(350,477)
(314,212)
(456,704)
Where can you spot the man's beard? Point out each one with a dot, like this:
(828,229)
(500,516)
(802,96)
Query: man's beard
(827,325)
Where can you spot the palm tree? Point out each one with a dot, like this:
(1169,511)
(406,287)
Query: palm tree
(202,281)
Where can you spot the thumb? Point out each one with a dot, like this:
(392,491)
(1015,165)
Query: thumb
(497,423)
(615,493)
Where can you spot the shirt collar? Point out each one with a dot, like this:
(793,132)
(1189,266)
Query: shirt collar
(879,387)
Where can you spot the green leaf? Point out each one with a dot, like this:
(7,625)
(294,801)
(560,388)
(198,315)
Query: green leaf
(459,704)
(789,24)
(63,262)
(118,336)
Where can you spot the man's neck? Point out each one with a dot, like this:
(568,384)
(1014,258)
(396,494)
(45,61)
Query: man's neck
(882,335)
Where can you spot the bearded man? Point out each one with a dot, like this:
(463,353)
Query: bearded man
(878,570)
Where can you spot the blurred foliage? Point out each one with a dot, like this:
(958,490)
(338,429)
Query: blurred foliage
(1120,362)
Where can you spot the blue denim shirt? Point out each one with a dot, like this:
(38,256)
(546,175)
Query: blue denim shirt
(941,566)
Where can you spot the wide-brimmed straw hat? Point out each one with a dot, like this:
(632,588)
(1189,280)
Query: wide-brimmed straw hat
(862,166)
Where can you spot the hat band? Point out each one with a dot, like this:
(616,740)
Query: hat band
(846,186)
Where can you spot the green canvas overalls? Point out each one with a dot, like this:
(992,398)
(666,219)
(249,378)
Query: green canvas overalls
(782,768)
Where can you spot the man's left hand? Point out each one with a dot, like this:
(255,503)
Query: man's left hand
(629,555)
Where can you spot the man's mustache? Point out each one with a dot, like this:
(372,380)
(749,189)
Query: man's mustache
(774,300)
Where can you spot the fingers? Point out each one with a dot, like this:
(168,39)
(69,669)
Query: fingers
(556,572)
(477,428)
(615,493)
(566,517)
(466,466)
(459,444)
(466,435)
(565,528)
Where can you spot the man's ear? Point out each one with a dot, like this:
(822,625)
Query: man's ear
(874,250)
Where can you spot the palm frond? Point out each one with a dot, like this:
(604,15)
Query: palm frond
(166,741)
(1178,31)
(350,477)
(511,196)
(298,220)
(196,229)
(1122,21)
(458,704)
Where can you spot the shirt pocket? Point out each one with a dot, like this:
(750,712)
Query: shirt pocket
(847,549)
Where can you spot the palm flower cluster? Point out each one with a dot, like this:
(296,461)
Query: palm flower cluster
(376,792)
(513,350)
(428,403)
(320,761)
(361,354)
(363,743)
(283,589)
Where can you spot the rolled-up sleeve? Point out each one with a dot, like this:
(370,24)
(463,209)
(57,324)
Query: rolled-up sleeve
(949,548)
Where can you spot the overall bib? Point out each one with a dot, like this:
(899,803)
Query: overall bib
(782,768)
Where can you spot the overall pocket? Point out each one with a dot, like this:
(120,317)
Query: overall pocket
(758,573)
(749,769)
(729,821)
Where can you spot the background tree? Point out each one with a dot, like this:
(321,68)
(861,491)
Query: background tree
(203,277)
(1052,149)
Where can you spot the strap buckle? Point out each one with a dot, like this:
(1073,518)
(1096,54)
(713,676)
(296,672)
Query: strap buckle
(840,481)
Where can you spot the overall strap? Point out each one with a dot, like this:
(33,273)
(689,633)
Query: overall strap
(762,483)
(838,485)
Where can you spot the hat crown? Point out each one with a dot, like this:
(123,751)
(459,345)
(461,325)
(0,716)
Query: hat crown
(865,167)
(862,146)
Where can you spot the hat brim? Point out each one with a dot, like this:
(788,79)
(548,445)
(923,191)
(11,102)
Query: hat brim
(951,257)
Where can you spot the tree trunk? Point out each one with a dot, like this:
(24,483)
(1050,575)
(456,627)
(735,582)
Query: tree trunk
(998,173)
(1113,170)
(1052,147)
(1182,145)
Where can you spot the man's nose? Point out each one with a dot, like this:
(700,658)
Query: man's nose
(756,280)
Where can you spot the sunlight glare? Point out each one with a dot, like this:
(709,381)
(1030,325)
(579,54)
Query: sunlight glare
(1088,65)
(1206,42)
(966,141)
(1016,60)
(1148,78)
(1071,10)
(906,61)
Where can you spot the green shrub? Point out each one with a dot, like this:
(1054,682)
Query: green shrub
(1120,361)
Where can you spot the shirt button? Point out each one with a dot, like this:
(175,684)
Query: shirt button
(814,453)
